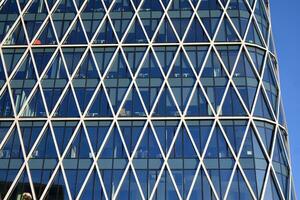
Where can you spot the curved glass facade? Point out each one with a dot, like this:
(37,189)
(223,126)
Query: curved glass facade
(141,99)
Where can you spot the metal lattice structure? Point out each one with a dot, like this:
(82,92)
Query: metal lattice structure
(141,99)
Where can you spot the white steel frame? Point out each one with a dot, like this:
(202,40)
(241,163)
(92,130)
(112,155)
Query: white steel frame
(149,115)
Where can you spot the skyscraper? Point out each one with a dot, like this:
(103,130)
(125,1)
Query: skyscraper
(141,99)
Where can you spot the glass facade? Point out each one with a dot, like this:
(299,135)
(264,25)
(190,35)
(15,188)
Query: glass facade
(141,99)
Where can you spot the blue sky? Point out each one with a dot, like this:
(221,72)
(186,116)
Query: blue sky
(286,28)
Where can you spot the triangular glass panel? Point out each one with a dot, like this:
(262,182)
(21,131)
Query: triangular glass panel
(238,188)
(214,80)
(85,81)
(135,33)
(166,105)
(147,180)
(35,106)
(253,161)
(21,96)
(218,148)
(12,147)
(62,25)
(257,56)
(134,56)
(111,179)
(254,176)
(226,32)
(196,32)
(45,149)
(132,105)
(25,70)
(148,147)
(181,80)
(30,130)
(262,19)
(63,132)
(97,130)
(245,80)
(26,73)
(113,148)
(239,14)
(217,154)
(76,34)
(129,188)
(183,148)
(106,34)
(270,84)
(17,36)
(209,22)
(100,105)
(58,187)
(202,189)
(220,179)
(272,191)
(150,24)
(131,131)
(22,186)
(165,131)
(235,131)
(42,57)
(32,26)
(103,56)
(280,163)
(149,80)
(262,109)
(67,106)
(79,147)
(12,57)
(180,23)
(183,178)
(120,23)
(253,35)
(96,10)
(72,57)
(197,56)
(117,89)
(200,130)
(228,55)
(232,106)
(55,73)
(199,105)
(252,148)
(266,132)
(5,104)
(165,55)
(41,177)
(165,33)
(165,188)
(93,189)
